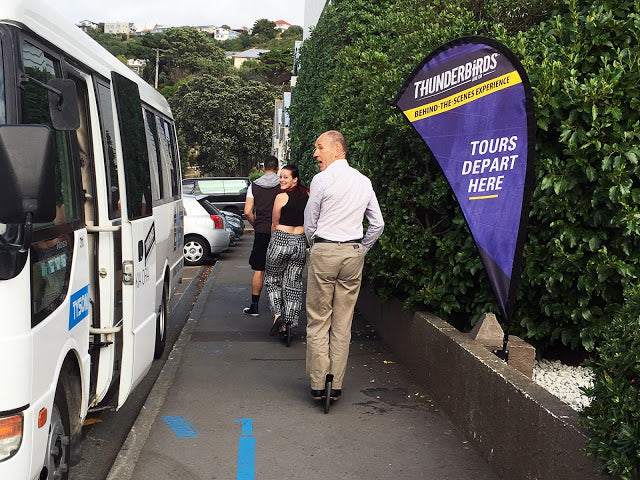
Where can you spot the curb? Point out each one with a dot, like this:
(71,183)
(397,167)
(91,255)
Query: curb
(125,463)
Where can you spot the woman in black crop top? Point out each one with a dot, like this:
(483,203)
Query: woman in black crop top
(286,254)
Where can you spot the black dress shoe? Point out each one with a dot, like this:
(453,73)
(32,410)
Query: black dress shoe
(279,322)
(335,393)
(317,394)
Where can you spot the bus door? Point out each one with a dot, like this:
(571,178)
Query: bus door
(138,239)
(108,240)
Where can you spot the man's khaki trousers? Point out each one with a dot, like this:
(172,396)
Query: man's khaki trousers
(333,284)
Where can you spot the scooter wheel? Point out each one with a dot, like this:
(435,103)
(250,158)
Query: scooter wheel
(327,392)
(287,336)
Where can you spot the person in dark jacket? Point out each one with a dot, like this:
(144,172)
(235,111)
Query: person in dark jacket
(258,209)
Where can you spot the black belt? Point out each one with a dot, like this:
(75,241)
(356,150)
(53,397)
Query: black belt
(324,240)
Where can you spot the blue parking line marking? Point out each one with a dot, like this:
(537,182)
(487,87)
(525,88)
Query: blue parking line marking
(246,458)
(182,427)
(246,451)
(247,426)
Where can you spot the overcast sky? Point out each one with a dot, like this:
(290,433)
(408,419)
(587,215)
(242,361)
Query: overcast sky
(235,13)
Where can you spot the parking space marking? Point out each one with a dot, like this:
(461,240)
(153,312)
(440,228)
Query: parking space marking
(182,427)
(246,451)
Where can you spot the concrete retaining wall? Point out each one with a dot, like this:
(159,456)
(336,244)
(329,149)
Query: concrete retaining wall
(522,430)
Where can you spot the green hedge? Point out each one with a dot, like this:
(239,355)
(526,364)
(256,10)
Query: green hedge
(613,417)
(583,245)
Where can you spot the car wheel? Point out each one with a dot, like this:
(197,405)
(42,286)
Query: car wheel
(196,250)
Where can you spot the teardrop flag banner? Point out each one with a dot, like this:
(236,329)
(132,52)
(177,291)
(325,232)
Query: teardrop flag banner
(471,102)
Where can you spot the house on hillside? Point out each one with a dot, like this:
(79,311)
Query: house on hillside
(282,25)
(85,25)
(223,34)
(210,29)
(119,27)
(137,65)
(251,54)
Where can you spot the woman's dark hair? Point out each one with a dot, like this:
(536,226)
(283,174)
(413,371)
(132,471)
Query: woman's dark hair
(295,173)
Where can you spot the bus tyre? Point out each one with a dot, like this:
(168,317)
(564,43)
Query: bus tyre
(57,458)
(161,325)
(196,250)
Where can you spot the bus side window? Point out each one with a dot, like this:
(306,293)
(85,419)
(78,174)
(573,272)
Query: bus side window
(35,110)
(3,107)
(134,147)
(155,162)
(170,159)
(176,183)
(52,249)
(103,94)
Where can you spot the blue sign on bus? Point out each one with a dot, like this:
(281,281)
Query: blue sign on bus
(79,306)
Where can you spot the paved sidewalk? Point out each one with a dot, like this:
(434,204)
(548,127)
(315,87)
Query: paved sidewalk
(233,402)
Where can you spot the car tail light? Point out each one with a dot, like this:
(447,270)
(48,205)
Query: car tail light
(217,221)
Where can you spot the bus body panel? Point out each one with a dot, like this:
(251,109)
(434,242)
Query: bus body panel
(37,349)
(170,240)
(138,302)
(15,344)
(67,325)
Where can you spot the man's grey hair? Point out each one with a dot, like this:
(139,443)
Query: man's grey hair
(336,137)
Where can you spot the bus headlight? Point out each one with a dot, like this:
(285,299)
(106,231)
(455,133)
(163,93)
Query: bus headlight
(10,435)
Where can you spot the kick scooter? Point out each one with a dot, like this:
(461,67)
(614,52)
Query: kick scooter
(327,392)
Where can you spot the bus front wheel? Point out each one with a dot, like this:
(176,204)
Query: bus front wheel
(57,457)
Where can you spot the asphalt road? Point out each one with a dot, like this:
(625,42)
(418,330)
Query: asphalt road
(106,430)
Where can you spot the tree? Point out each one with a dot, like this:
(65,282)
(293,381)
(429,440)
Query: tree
(187,51)
(294,31)
(274,66)
(227,120)
(112,43)
(264,28)
(243,42)
(583,243)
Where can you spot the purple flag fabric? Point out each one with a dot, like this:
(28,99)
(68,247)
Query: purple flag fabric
(471,102)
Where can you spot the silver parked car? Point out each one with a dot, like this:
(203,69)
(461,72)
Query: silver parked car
(226,193)
(206,232)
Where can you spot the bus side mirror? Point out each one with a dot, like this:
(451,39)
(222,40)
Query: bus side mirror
(27,183)
(63,104)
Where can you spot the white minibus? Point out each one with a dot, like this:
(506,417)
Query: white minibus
(91,235)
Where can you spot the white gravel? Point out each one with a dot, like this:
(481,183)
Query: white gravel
(563,381)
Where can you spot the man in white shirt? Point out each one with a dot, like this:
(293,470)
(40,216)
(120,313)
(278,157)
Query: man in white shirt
(339,199)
